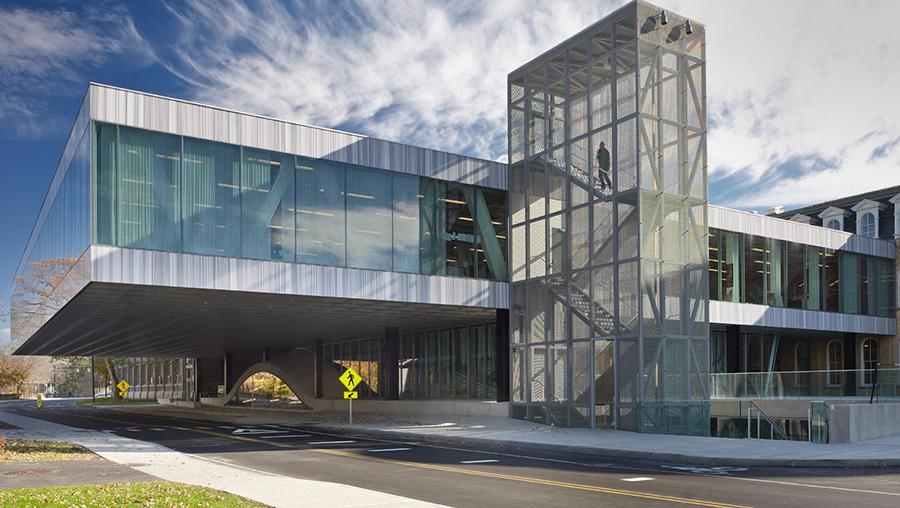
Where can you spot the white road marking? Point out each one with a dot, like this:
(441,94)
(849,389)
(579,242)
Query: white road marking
(225,427)
(284,437)
(330,442)
(132,429)
(259,431)
(391,450)
(483,461)
(157,429)
(179,428)
(637,479)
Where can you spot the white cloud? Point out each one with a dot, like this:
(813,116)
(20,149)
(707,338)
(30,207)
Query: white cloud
(794,82)
(44,52)
(800,91)
(428,73)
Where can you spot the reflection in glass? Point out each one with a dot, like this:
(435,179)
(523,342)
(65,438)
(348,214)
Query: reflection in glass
(148,190)
(368,219)
(212,199)
(320,212)
(267,191)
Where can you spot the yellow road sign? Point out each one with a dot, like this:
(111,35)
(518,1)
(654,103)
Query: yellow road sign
(351,395)
(350,379)
(123,386)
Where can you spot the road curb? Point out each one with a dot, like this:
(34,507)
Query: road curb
(592,454)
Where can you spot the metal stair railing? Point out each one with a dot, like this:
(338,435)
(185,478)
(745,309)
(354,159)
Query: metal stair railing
(603,321)
(579,176)
(762,416)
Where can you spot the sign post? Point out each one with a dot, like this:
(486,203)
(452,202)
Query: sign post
(350,379)
(123,387)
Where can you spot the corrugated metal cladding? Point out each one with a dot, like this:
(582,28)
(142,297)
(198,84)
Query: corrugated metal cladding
(780,229)
(761,315)
(156,268)
(152,112)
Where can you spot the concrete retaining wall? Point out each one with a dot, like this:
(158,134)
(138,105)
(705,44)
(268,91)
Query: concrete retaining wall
(852,423)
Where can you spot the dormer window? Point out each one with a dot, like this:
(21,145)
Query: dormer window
(833,218)
(867,217)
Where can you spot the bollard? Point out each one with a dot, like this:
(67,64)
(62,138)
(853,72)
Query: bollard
(40,400)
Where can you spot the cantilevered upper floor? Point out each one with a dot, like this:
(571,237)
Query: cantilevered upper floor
(153,192)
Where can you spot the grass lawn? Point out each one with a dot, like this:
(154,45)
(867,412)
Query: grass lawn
(27,450)
(168,494)
(110,400)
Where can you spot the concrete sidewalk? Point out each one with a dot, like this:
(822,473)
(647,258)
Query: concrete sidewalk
(167,464)
(517,436)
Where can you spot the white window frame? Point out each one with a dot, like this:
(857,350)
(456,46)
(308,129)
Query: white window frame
(864,207)
(864,364)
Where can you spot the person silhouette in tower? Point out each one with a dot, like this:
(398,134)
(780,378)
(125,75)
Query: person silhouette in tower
(603,163)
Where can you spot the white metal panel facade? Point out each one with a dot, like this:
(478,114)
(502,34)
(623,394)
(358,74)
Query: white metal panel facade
(780,229)
(169,269)
(748,314)
(173,116)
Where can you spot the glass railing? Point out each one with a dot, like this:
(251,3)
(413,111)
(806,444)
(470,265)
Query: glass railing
(804,384)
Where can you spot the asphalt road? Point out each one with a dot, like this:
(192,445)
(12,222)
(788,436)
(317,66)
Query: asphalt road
(469,477)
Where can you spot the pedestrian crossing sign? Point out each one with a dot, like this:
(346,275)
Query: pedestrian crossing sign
(350,379)
(123,387)
(351,395)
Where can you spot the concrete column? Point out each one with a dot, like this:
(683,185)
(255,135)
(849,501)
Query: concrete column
(849,364)
(392,360)
(501,354)
(228,374)
(318,367)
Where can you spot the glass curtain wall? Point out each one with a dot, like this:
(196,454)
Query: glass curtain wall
(793,275)
(456,363)
(609,250)
(163,192)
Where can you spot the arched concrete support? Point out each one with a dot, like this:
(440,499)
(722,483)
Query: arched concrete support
(291,380)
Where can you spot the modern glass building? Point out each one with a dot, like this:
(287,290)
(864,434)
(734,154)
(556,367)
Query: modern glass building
(587,282)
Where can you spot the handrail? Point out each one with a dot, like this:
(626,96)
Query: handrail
(772,425)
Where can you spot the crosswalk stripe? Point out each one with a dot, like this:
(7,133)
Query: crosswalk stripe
(390,450)
(284,437)
(330,442)
(484,461)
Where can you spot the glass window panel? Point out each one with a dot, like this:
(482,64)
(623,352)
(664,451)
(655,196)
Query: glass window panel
(628,298)
(755,270)
(714,265)
(830,281)
(517,364)
(580,162)
(368,219)
(212,198)
(557,180)
(558,356)
(604,301)
(321,222)
(627,218)
(492,243)
(148,192)
(776,273)
(517,193)
(406,228)
(518,254)
(813,277)
(267,193)
(849,290)
(885,287)
(603,236)
(459,228)
(796,275)
(537,311)
(106,139)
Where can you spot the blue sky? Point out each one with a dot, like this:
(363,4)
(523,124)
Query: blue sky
(802,94)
